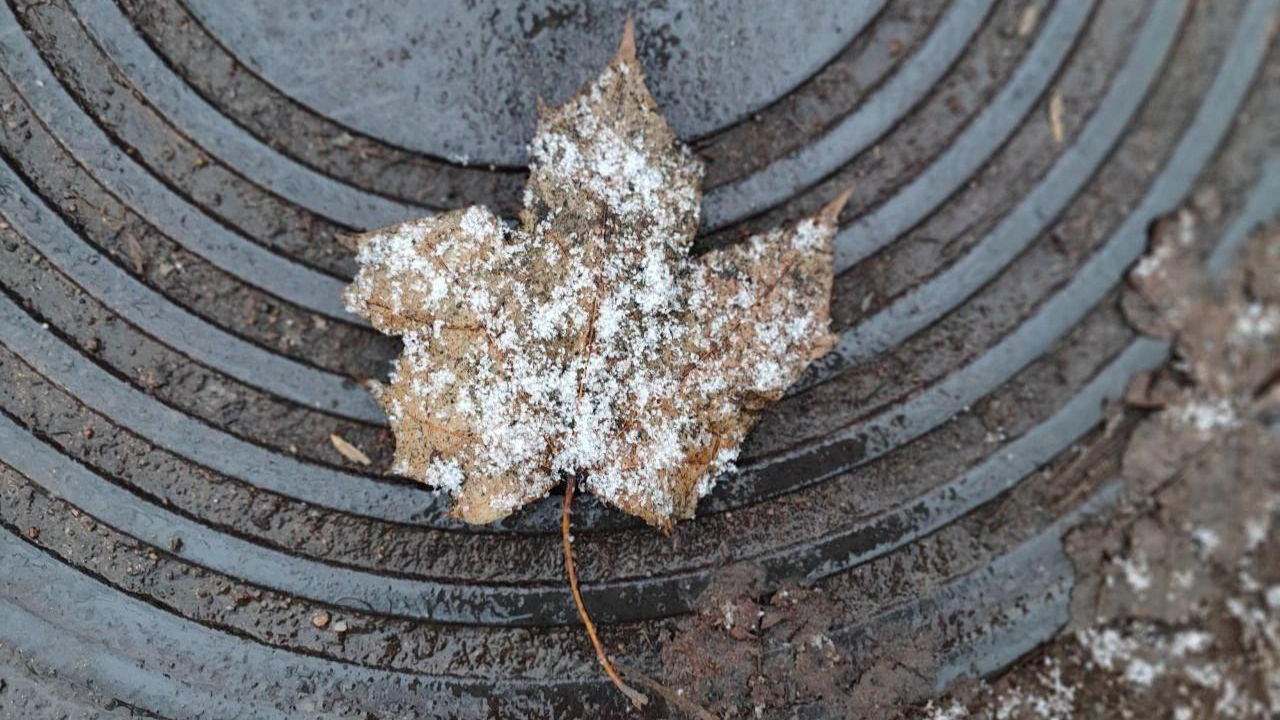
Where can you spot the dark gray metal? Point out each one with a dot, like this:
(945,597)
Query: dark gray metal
(166,476)
(457,80)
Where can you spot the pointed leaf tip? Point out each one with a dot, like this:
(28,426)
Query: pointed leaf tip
(627,46)
(830,212)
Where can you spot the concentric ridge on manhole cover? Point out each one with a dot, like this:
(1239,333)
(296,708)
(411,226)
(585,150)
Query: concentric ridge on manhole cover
(176,180)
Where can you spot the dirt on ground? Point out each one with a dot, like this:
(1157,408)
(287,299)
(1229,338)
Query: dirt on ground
(1175,611)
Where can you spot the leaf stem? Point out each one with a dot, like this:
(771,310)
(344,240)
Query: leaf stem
(673,698)
(636,697)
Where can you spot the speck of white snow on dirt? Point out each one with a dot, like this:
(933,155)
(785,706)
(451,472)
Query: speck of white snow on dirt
(1209,415)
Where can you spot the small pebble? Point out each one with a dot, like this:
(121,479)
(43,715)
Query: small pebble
(340,626)
(320,619)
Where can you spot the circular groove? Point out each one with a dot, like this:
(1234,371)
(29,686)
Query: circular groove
(320,402)
(1098,275)
(1038,557)
(536,48)
(340,202)
(937,402)
(923,402)
(1085,364)
(872,481)
(138,189)
(649,597)
(183,278)
(873,231)
(152,313)
(909,314)
(855,133)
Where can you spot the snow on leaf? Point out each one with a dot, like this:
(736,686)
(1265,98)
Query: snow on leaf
(587,342)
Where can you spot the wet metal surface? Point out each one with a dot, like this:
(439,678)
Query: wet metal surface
(175,177)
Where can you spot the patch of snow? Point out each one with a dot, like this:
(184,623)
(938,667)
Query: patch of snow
(954,711)
(1136,572)
(1207,539)
(1141,672)
(1208,415)
(1257,321)
(446,475)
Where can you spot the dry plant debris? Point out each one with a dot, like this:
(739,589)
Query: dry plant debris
(348,451)
(1177,600)
(1056,110)
(586,342)
(1226,338)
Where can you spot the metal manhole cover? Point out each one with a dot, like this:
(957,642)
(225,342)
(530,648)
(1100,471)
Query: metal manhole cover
(180,539)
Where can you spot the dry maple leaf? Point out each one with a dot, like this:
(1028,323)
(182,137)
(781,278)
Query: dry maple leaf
(586,343)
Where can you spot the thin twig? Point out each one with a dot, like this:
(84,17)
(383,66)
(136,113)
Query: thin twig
(636,697)
(673,698)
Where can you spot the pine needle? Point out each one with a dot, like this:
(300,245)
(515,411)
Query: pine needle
(348,451)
